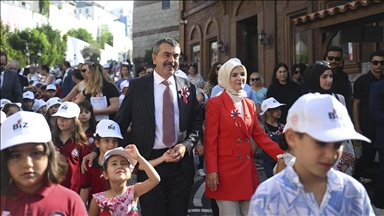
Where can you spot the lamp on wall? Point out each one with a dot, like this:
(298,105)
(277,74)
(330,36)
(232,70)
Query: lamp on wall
(223,48)
(183,22)
(265,39)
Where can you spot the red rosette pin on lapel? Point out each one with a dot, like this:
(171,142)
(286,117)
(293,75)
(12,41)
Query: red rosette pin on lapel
(107,209)
(236,113)
(185,93)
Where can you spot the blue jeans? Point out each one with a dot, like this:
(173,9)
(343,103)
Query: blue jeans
(378,196)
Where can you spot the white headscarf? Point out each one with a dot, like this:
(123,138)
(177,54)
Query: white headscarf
(225,74)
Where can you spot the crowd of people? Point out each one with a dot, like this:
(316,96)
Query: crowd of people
(83,131)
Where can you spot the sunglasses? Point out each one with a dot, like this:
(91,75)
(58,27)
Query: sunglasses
(331,58)
(217,68)
(375,62)
(297,72)
(83,70)
(255,79)
(320,63)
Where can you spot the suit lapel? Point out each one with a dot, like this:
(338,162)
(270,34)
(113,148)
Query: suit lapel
(230,106)
(180,102)
(148,92)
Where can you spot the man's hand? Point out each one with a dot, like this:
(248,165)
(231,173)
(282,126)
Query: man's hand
(90,157)
(199,149)
(177,152)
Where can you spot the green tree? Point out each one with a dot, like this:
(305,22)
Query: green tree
(5,35)
(44,7)
(81,34)
(58,45)
(91,53)
(105,36)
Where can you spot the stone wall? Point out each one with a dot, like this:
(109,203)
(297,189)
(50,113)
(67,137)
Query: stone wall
(150,23)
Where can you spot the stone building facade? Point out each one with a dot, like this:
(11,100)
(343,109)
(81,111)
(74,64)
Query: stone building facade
(298,31)
(153,20)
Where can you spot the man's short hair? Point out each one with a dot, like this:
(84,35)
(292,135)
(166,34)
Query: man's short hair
(169,41)
(376,53)
(16,62)
(335,49)
(67,64)
(2,53)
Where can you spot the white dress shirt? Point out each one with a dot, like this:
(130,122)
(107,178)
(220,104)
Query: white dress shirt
(2,78)
(159,88)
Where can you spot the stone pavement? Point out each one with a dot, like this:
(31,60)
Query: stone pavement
(201,205)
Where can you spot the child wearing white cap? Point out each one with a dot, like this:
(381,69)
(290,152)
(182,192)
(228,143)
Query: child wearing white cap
(124,88)
(40,106)
(28,101)
(10,109)
(31,170)
(270,108)
(71,142)
(120,198)
(311,186)
(52,105)
(51,91)
(106,138)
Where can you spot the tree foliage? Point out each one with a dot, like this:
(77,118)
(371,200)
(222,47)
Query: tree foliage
(91,53)
(81,34)
(41,39)
(105,36)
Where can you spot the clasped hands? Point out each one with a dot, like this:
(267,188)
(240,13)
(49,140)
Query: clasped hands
(175,154)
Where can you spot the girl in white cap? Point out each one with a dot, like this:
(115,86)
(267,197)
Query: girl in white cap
(71,142)
(121,199)
(52,105)
(31,170)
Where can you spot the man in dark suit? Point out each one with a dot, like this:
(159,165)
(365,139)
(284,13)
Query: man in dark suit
(144,109)
(376,105)
(13,65)
(68,83)
(9,82)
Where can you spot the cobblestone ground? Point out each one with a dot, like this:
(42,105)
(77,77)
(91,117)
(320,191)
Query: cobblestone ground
(201,205)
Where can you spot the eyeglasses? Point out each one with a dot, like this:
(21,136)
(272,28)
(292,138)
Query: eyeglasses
(297,72)
(255,79)
(321,63)
(375,62)
(331,58)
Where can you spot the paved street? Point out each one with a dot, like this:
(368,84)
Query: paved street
(199,204)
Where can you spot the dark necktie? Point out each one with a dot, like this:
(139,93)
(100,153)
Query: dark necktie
(168,116)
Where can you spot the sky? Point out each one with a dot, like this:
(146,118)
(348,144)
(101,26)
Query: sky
(115,4)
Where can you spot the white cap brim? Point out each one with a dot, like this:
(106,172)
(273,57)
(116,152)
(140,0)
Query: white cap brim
(64,115)
(120,151)
(106,134)
(337,135)
(275,105)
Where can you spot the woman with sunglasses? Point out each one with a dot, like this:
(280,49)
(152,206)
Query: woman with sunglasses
(195,77)
(259,92)
(283,89)
(212,78)
(319,78)
(75,93)
(99,86)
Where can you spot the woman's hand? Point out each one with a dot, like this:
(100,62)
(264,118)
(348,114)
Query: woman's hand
(212,180)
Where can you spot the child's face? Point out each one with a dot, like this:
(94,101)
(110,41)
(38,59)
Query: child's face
(117,169)
(107,143)
(53,109)
(125,90)
(43,109)
(50,93)
(85,115)
(274,113)
(64,123)
(313,158)
(27,104)
(27,166)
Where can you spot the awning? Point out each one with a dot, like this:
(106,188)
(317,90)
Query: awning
(349,11)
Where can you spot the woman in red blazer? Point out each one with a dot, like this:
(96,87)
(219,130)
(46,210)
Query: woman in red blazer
(231,123)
